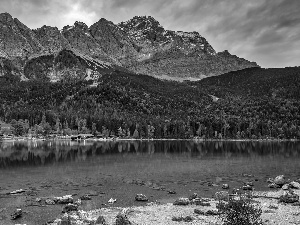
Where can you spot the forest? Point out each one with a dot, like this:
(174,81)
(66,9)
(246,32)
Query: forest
(253,103)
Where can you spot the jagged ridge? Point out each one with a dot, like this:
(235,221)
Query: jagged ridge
(141,45)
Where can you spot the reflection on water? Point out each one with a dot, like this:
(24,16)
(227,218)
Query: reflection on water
(40,153)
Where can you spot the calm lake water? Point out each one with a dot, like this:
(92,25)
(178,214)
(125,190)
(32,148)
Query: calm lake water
(122,169)
(163,161)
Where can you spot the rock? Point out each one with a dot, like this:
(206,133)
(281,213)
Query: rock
(181,218)
(86,197)
(273,185)
(38,199)
(141,198)
(207,213)
(65,220)
(247,175)
(112,201)
(70,207)
(171,192)
(222,195)
(49,202)
(273,206)
(100,221)
(280,180)
(17,192)
(225,186)
(201,203)
(182,201)
(270,180)
(212,213)
(199,212)
(296,204)
(295,185)
(247,188)
(249,183)
(289,198)
(193,196)
(16,214)
(285,187)
(63,200)
(122,220)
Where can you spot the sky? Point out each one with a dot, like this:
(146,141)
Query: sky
(264,31)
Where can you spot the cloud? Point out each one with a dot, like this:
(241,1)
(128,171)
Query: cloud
(265,31)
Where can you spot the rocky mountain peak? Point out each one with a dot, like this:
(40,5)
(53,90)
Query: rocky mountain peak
(6,18)
(81,25)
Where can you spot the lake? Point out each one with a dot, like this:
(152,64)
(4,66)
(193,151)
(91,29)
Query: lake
(122,169)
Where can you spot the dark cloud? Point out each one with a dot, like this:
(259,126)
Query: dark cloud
(265,31)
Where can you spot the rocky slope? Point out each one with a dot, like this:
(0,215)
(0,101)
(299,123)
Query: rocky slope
(141,45)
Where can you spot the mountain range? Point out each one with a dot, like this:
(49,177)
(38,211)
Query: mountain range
(140,45)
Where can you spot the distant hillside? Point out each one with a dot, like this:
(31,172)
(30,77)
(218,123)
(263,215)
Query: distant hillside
(140,45)
(250,103)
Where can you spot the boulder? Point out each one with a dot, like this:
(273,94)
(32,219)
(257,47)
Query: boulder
(295,185)
(141,198)
(182,201)
(289,198)
(16,214)
(280,180)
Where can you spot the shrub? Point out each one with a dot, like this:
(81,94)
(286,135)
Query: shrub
(240,210)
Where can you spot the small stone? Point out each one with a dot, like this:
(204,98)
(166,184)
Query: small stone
(249,183)
(70,207)
(270,180)
(112,201)
(16,214)
(222,195)
(212,213)
(295,185)
(273,206)
(141,198)
(172,192)
(100,221)
(49,202)
(199,212)
(280,180)
(193,196)
(296,204)
(122,220)
(273,185)
(38,199)
(63,200)
(225,186)
(247,188)
(285,187)
(86,197)
(182,201)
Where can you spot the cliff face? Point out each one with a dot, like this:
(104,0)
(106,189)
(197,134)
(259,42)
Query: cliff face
(141,45)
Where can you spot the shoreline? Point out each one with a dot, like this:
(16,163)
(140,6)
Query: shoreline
(22,139)
(156,213)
